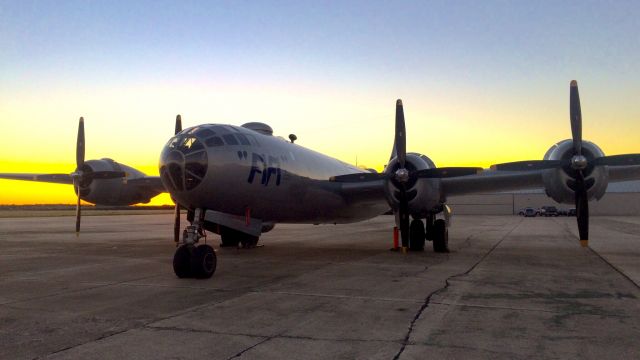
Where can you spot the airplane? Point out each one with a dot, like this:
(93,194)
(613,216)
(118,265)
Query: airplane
(240,181)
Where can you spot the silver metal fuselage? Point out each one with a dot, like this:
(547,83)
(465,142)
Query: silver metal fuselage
(267,178)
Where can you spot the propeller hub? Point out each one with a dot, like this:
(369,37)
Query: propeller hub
(402,175)
(579,162)
(76,175)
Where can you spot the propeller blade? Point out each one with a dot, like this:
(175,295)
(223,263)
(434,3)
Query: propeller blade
(78,211)
(582,210)
(529,165)
(576,118)
(80,145)
(618,160)
(176,224)
(359,177)
(400,140)
(104,175)
(178,124)
(446,172)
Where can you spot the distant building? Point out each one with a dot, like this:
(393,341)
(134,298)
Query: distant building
(622,198)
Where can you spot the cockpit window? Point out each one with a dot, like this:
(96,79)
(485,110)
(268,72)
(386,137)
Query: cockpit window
(243,139)
(205,133)
(230,139)
(189,145)
(193,129)
(214,141)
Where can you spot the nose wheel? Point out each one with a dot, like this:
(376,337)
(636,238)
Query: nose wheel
(190,259)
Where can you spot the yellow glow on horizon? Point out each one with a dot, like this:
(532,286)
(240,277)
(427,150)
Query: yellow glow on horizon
(130,124)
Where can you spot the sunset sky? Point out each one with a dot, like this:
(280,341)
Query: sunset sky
(482,81)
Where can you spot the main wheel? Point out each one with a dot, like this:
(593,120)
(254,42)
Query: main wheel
(182,261)
(441,237)
(203,262)
(416,235)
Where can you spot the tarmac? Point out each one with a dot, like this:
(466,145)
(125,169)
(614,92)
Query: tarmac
(511,288)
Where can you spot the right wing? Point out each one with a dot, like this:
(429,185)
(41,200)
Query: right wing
(491,181)
(624,173)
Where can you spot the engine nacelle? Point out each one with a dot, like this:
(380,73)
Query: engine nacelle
(424,195)
(557,181)
(114,192)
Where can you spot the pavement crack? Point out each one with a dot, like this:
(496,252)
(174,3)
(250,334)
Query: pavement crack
(251,347)
(427,300)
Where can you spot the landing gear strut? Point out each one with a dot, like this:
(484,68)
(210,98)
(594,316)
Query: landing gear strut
(190,259)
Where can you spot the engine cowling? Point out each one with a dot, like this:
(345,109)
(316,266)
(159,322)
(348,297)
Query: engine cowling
(113,192)
(558,182)
(424,195)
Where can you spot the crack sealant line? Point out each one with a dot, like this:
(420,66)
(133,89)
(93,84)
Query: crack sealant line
(144,325)
(447,283)
(566,228)
(494,307)
(615,268)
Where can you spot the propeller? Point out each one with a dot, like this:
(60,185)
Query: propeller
(81,177)
(577,163)
(402,176)
(176,216)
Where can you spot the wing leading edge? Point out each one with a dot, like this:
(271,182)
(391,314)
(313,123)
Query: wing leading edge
(50,178)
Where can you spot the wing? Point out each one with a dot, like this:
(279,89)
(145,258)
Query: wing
(50,178)
(151,183)
(624,173)
(491,181)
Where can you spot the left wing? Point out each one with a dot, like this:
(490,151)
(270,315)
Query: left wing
(151,183)
(50,178)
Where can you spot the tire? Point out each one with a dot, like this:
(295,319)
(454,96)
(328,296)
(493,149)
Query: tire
(417,235)
(203,262)
(182,261)
(441,237)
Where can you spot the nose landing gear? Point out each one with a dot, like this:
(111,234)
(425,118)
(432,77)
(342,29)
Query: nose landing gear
(190,259)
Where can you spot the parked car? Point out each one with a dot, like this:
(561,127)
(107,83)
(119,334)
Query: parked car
(528,212)
(548,211)
(571,212)
(563,212)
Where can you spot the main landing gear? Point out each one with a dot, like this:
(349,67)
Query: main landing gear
(434,230)
(191,259)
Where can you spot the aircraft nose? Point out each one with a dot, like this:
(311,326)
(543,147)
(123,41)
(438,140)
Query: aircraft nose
(183,163)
